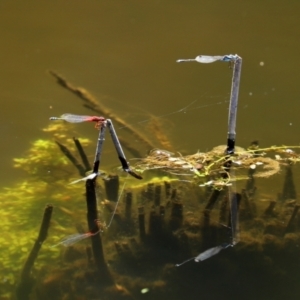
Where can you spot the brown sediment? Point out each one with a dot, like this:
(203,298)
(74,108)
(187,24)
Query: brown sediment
(111,184)
(249,205)
(176,215)
(289,189)
(82,154)
(143,196)
(93,104)
(155,224)
(270,209)
(141,219)
(238,198)
(149,193)
(128,205)
(118,248)
(162,210)
(157,195)
(250,184)
(290,225)
(26,283)
(152,220)
(215,194)
(279,196)
(206,219)
(208,230)
(167,189)
(224,209)
(89,255)
(174,195)
(109,205)
(134,243)
(126,249)
(72,158)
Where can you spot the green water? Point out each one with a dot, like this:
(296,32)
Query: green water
(125,52)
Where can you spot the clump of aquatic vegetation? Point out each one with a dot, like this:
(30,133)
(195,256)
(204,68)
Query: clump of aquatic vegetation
(48,174)
(43,159)
(264,162)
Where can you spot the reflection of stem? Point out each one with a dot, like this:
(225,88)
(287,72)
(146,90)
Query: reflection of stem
(72,158)
(93,104)
(212,199)
(290,225)
(82,154)
(270,209)
(96,240)
(26,284)
(289,189)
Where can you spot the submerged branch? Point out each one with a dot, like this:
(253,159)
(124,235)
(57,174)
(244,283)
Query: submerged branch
(94,105)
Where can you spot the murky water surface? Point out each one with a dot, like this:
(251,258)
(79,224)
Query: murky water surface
(124,53)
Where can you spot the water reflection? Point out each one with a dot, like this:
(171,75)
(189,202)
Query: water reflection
(125,55)
(159,222)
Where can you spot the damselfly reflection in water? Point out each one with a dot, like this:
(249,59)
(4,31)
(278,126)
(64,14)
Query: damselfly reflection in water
(206,254)
(229,152)
(100,227)
(234,231)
